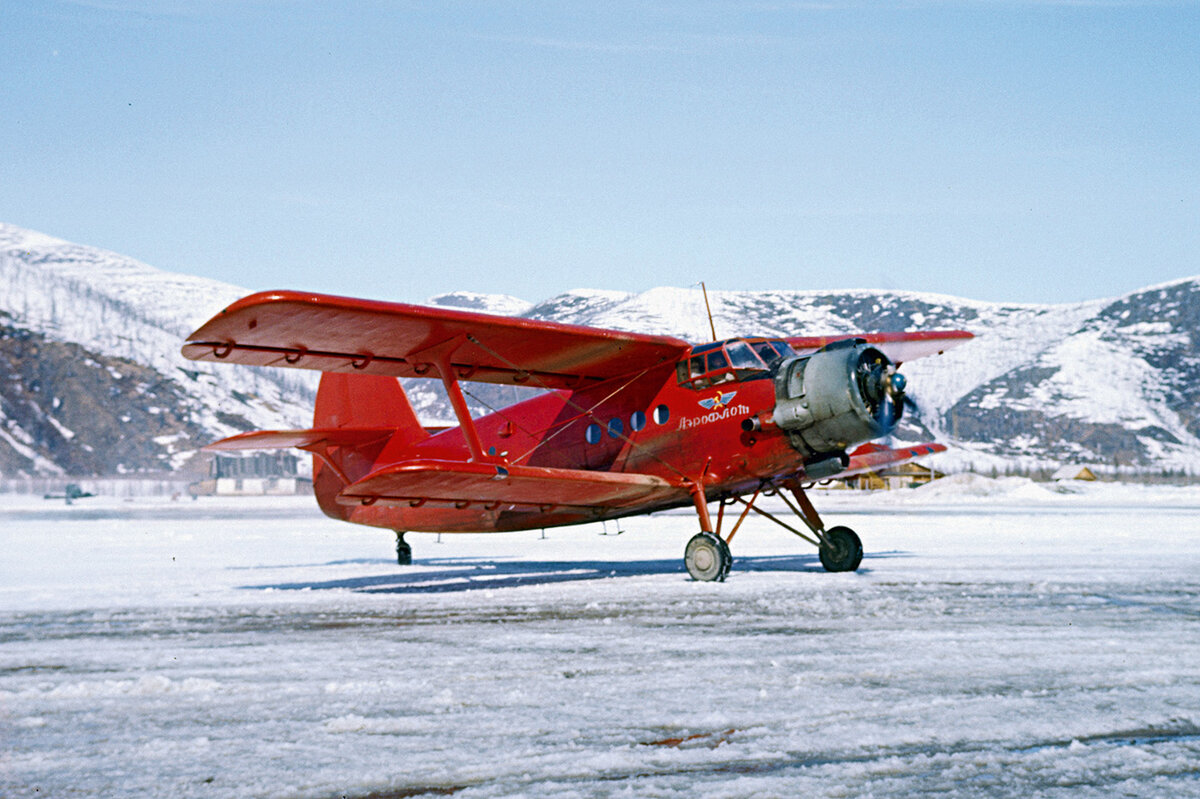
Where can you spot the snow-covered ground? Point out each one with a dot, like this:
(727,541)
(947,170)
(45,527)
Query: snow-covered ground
(1001,639)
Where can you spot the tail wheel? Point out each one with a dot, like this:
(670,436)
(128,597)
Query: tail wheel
(844,552)
(403,550)
(707,557)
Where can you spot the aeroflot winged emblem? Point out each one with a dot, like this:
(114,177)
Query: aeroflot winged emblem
(718,402)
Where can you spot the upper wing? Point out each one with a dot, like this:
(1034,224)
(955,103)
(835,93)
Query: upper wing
(340,334)
(900,347)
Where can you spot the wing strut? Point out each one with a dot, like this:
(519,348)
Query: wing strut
(439,356)
(450,381)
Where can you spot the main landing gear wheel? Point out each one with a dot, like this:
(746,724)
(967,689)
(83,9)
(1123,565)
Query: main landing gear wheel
(707,557)
(403,550)
(844,552)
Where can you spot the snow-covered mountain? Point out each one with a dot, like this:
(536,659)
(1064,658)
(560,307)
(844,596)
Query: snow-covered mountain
(1112,382)
(91,380)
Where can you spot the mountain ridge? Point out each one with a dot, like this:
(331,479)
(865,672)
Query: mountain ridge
(1113,381)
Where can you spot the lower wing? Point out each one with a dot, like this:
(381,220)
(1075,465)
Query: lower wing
(464,483)
(873,457)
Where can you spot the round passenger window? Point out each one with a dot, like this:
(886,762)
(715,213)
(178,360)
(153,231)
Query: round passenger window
(615,428)
(592,434)
(661,414)
(637,420)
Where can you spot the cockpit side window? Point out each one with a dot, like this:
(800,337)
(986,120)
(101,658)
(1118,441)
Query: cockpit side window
(717,360)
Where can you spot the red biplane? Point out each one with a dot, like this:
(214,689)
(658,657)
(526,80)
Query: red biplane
(628,423)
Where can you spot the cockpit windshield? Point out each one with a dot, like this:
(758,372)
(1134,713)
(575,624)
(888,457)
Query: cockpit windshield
(742,357)
(735,359)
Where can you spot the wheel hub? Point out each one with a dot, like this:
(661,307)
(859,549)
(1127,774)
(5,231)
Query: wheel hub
(841,551)
(707,557)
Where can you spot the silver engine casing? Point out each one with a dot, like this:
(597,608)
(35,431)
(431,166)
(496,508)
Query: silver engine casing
(835,398)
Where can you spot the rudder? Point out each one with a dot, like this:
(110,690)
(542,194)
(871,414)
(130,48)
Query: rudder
(358,402)
(350,400)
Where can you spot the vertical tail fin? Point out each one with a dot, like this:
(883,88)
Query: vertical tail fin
(357,418)
(349,400)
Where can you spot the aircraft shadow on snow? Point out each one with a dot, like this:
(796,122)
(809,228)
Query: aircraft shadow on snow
(448,575)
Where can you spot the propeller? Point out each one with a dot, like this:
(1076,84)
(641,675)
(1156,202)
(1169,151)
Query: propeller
(892,407)
(882,387)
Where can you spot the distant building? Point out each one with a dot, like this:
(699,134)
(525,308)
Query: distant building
(907,475)
(257,474)
(1074,473)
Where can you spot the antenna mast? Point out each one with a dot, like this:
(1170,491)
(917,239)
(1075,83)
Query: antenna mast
(711,326)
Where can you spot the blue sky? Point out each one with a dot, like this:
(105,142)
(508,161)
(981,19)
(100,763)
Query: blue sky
(1011,151)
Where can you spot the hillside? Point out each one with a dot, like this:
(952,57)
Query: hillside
(1113,382)
(93,383)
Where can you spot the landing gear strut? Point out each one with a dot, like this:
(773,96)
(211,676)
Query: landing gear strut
(403,550)
(707,555)
(839,547)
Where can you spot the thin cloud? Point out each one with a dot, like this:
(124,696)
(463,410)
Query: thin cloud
(579,45)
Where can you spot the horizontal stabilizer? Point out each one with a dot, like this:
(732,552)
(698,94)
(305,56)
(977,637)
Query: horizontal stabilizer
(417,482)
(302,439)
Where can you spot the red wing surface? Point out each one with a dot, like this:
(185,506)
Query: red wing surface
(283,439)
(339,334)
(900,347)
(873,457)
(417,482)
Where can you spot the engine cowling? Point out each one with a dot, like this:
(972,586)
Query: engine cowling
(842,395)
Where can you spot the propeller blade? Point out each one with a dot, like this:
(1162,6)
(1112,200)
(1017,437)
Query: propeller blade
(883,416)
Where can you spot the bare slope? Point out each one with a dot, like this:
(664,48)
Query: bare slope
(94,382)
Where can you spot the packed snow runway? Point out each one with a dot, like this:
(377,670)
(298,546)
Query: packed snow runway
(1000,639)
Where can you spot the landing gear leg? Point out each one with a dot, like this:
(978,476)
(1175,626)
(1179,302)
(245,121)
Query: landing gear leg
(403,550)
(840,548)
(707,557)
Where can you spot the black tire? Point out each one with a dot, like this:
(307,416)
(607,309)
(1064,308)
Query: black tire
(707,558)
(403,551)
(726,558)
(845,551)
